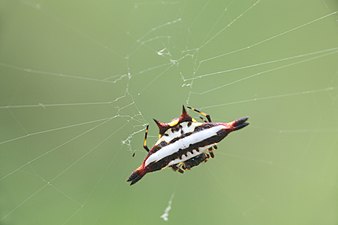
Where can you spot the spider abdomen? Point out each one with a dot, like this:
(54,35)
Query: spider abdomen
(182,148)
(184,143)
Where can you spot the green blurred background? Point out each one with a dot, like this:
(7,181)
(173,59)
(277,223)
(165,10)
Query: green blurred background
(81,79)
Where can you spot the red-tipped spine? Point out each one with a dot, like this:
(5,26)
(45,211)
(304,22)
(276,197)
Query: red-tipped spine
(184,116)
(137,175)
(163,127)
(239,124)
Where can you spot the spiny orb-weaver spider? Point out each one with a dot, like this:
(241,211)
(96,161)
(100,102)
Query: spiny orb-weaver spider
(184,143)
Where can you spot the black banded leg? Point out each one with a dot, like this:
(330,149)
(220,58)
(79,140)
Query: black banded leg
(181,167)
(211,153)
(207,156)
(202,113)
(174,167)
(145,139)
(177,168)
(203,119)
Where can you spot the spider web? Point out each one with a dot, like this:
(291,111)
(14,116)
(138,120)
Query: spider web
(80,80)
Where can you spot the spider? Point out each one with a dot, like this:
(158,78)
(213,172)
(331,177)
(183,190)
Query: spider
(184,143)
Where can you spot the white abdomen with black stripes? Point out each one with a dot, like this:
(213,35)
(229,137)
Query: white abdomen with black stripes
(183,143)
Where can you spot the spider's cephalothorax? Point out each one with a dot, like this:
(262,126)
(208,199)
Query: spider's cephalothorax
(184,143)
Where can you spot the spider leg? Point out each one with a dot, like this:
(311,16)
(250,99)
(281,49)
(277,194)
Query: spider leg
(211,153)
(207,156)
(202,113)
(177,167)
(214,147)
(203,119)
(145,139)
